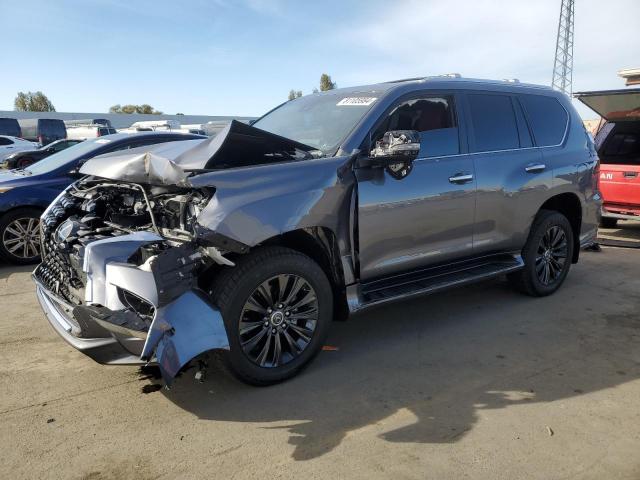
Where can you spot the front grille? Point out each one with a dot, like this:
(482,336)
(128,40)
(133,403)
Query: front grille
(57,275)
(56,272)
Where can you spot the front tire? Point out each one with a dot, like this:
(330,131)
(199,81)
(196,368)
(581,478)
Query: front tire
(20,236)
(277,306)
(547,255)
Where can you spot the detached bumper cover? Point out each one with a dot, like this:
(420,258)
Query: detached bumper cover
(182,327)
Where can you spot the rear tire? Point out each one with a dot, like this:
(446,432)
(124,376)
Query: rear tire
(254,299)
(20,236)
(547,255)
(608,222)
(24,162)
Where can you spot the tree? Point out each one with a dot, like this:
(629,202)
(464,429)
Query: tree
(293,94)
(33,102)
(144,108)
(326,83)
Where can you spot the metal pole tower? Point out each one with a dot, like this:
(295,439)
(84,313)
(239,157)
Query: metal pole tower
(563,64)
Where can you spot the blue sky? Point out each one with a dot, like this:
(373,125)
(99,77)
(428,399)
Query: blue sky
(226,57)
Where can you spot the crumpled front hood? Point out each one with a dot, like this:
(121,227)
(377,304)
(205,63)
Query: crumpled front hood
(171,163)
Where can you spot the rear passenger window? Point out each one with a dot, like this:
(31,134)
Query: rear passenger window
(494,123)
(548,119)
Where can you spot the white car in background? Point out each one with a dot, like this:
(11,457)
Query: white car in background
(84,132)
(9,145)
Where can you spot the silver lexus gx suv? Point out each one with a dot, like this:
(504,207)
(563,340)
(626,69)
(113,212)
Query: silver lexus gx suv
(254,240)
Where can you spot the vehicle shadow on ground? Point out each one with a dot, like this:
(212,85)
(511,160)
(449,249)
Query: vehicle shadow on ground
(626,233)
(436,363)
(6,270)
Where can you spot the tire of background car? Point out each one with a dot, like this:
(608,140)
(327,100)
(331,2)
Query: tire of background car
(21,222)
(608,222)
(24,162)
(547,255)
(295,317)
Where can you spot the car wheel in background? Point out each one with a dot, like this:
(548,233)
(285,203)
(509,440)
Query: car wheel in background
(608,222)
(20,236)
(24,162)
(547,255)
(277,306)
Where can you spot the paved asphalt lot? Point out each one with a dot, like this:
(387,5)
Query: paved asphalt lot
(476,383)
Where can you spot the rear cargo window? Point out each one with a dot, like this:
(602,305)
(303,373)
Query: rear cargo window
(494,123)
(623,144)
(548,119)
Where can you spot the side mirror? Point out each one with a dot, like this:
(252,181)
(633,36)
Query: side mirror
(396,146)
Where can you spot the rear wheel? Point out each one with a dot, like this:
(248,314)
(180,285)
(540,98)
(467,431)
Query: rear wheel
(277,306)
(547,255)
(20,236)
(24,162)
(608,222)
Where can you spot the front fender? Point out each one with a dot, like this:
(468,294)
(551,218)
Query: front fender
(253,204)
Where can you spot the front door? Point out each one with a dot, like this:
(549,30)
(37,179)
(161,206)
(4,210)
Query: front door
(425,217)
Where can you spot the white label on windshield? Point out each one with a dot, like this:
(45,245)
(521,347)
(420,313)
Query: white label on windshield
(103,140)
(357,101)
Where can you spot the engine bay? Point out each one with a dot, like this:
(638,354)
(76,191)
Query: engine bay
(94,209)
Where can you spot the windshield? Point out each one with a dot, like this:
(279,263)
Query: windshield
(51,145)
(321,121)
(66,156)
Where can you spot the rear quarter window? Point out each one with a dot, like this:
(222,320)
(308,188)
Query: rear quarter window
(547,117)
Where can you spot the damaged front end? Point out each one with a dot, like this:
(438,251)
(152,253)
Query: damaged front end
(120,269)
(129,253)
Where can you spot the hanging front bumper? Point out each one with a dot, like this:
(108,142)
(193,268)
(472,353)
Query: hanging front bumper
(111,332)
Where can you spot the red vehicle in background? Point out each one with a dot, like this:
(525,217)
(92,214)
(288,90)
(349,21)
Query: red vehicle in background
(618,145)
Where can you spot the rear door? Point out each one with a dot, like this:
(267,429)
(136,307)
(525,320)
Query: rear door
(620,168)
(512,177)
(618,144)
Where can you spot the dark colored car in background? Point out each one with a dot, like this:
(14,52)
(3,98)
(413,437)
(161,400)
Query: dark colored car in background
(24,194)
(27,157)
(254,240)
(11,127)
(618,145)
(42,130)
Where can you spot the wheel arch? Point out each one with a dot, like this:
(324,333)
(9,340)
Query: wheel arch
(569,205)
(321,245)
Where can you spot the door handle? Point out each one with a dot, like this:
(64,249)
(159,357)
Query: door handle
(461,178)
(535,168)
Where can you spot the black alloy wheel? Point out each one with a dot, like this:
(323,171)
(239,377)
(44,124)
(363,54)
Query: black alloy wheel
(278,320)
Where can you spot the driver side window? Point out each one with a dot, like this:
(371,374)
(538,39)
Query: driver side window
(433,117)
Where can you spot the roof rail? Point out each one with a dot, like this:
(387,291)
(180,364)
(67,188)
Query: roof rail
(511,80)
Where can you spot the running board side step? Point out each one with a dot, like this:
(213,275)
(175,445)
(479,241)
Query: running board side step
(400,287)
